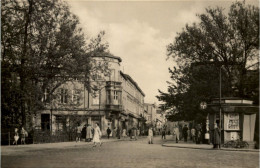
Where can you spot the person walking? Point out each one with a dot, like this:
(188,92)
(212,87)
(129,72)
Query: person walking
(130,133)
(97,135)
(78,133)
(16,136)
(114,132)
(150,136)
(198,134)
(89,133)
(185,133)
(176,132)
(216,137)
(193,133)
(83,133)
(134,133)
(163,133)
(108,132)
(124,134)
(118,133)
(23,135)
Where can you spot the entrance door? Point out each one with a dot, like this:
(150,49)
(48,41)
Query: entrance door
(45,122)
(249,127)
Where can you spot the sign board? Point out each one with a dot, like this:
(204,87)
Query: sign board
(203,105)
(232,121)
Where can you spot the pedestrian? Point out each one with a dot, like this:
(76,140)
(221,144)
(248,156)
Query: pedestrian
(163,133)
(193,133)
(134,133)
(198,134)
(114,132)
(185,133)
(130,133)
(78,133)
(216,137)
(23,135)
(176,132)
(97,135)
(108,132)
(150,136)
(84,133)
(118,133)
(138,132)
(16,136)
(124,134)
(89,133)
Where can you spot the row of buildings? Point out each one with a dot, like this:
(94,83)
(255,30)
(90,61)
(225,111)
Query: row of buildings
(116,102)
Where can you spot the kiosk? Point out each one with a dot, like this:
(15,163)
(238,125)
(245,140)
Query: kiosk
(237,118)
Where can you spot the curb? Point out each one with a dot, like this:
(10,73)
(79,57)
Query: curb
(223,149)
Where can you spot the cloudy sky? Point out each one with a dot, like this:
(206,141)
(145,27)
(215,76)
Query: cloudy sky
(138,32)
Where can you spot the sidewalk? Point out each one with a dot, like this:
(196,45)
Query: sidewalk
(12,149)
(191,145)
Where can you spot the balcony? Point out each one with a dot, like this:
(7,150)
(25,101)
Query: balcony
(114,107)
(113,83)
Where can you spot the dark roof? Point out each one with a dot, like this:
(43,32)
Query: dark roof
(128,77)
(108,55)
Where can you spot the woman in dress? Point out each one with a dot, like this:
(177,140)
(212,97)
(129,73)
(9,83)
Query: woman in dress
(89,133)
(124,134)
(16,136)
(97,135)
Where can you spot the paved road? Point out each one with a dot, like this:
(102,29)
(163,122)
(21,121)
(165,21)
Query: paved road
(128,154)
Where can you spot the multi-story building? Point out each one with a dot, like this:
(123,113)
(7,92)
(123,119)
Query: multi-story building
(116,101)
(132,101)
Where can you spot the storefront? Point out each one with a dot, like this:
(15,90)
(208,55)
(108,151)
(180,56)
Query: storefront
(237,118)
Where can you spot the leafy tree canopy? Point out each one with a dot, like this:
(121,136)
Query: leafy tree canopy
(229,41)
(42,46)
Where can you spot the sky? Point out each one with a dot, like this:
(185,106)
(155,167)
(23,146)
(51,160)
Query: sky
(139,31)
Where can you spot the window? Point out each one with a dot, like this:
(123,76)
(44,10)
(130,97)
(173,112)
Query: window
(75,98)
(115,97)
(46,96)
(64,96)
(96,98)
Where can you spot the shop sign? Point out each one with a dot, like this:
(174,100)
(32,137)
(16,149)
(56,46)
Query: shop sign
(233,121)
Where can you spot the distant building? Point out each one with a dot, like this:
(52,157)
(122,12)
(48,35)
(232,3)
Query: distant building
(151,113)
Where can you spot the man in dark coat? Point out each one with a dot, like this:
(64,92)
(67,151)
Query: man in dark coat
(108,132)
(84,132)
(118,133)
(216,137)
(185,133)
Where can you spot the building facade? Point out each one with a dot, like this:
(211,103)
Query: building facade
(115,101)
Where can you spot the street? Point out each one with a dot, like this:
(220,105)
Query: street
(121,154)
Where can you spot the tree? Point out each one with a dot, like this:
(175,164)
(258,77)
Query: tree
(42,48)
(222,38)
